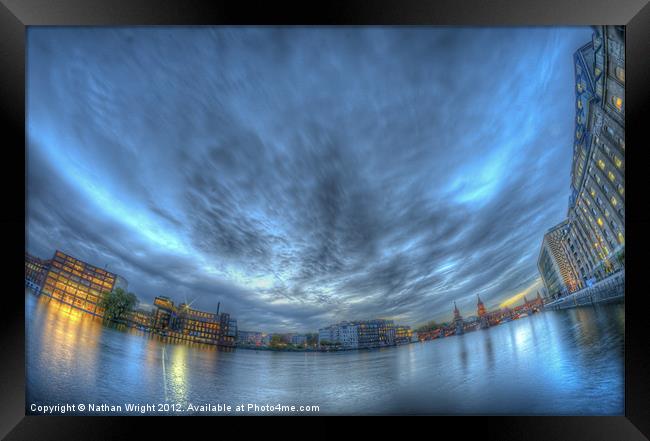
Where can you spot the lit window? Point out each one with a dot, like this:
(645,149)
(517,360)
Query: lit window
(614,201)
(621,190)
(579,104)
(597,71)
(621,239)
(600,222)
(620,74)
(601,164)
(617,101)
(618,161)
(611,176)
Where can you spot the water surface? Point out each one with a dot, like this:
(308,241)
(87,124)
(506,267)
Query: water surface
(559,362)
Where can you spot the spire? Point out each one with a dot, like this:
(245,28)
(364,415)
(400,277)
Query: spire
(480,307)
(456,312)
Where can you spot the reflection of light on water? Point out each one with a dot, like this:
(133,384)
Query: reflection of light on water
(164,372)
(178,373)
(69,339)
(521,335)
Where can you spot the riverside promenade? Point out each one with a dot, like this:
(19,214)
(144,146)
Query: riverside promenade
(609,290)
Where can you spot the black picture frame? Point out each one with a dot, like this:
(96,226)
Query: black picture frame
(16,15)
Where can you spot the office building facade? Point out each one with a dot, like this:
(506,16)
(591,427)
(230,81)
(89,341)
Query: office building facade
(79,284)
(594,238)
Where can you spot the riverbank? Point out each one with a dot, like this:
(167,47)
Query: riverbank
(609,290)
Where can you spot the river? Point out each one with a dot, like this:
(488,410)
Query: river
(568,362)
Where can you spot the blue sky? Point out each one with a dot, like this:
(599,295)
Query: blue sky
(303,176)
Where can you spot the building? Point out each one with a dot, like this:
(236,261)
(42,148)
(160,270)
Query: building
(368,334)
(140,318)
(403,334)
(481,311)
(597,208)
(35,272)
(198,326)
(555,264)
(348,335)
(595,236)
(79,284)
(299,340)
(232,329)
(163,311)
(364,334)
(458,325)
(328,335)
(249,338)
(186,323)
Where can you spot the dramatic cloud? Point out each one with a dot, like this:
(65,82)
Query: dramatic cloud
(303,176)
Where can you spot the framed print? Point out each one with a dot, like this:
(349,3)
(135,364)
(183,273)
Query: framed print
(392,210)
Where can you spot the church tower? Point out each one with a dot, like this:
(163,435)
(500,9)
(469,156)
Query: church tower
(480,306)
(458,320)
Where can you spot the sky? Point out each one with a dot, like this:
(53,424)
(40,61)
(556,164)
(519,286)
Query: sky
(303,176)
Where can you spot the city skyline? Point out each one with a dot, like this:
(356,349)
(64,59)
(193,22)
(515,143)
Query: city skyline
(302,175)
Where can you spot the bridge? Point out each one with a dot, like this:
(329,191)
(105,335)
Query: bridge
(608,290)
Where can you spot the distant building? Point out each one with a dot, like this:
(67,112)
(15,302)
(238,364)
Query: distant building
(403,334)
(328,335)
(364,334)
(299,340)
(140,318)
(35,272)
(232,328)
(190,324)
(458,324)
(249,338)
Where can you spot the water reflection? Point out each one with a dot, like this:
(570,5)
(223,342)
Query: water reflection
(565,362)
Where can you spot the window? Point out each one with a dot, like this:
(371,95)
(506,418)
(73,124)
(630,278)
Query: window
(621,239)
(618,161)
(620,74)
(617,101)
(614,201)
(621,190)
(611,176)
(600,222)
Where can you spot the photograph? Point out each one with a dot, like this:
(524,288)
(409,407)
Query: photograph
(325,220)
